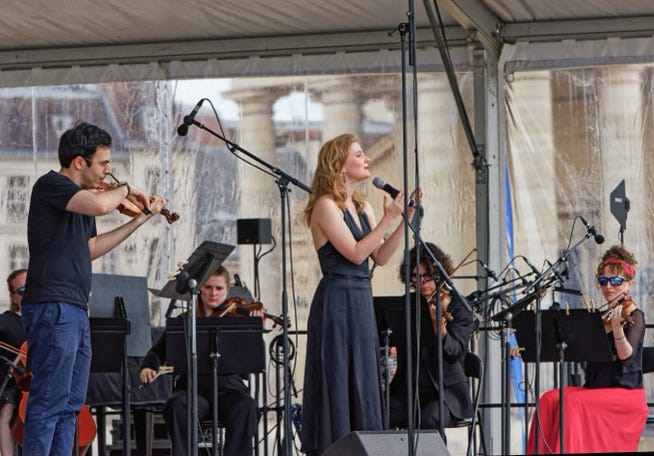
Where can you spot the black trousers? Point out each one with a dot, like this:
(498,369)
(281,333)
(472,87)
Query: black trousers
(237,411)
(428,413)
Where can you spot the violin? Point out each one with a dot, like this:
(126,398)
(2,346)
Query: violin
(239,307)
(431,299)
(131,209)
(628,306)
(86,429)
(441,288)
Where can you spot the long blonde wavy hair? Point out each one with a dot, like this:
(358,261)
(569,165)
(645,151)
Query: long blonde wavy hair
(328,178)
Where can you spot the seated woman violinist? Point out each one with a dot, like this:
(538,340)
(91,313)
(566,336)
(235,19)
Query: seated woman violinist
(608,413)
(238,410)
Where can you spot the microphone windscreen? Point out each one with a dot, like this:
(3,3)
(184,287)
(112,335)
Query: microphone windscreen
(182,130)
(378,182)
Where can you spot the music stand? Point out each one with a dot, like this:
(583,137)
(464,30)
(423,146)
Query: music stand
(505,317)
(566,335)
(390,312)
(133,292)
(108,323)
(380,304)
(203,262)
(237,341)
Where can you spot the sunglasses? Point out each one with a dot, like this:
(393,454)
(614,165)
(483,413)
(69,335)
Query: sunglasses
(615,281)
(20,290)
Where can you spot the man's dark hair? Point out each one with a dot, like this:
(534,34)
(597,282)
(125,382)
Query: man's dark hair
(83,140)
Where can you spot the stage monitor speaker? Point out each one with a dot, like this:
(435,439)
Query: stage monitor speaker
(387,443)
(253,231)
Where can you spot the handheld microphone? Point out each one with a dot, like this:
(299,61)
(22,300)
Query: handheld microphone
(599,239)
(388,188)
(182,130)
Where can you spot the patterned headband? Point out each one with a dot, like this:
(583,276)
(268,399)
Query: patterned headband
(628,268)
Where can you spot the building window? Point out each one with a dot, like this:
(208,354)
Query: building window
(17,187)
(18,257)
(60,123)
(153,179)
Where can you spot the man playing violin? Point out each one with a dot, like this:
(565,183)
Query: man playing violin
(613,391)
(12,335)
(236,408)
(455,333)
(63,242)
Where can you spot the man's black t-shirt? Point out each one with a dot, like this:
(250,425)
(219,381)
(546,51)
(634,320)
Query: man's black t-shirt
(60,262)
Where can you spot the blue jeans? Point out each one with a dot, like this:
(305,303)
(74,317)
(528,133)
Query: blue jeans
(59,356)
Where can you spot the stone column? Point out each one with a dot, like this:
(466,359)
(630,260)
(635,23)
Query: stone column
(258,192)
(532,169)
(446,177)
(621,152)
(341,106)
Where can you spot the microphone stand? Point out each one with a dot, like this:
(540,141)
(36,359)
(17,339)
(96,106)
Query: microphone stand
(402,29)
(283,179)
(538,286)
(192,372)
(440,271)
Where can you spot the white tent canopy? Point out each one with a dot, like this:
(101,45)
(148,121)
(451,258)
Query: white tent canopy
(83,41)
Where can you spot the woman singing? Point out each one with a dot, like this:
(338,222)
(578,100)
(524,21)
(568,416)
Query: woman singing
(342,376)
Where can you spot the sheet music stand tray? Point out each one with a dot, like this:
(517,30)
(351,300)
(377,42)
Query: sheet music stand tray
(567,335)
(390,313)
(239,341)
(203,262)
(582,332)
(109,348)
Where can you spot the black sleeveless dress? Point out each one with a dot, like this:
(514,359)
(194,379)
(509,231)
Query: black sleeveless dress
(342,373)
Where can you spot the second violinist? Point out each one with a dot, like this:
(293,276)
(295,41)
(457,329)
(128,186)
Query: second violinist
(237,410)
(626,328)
(455,332)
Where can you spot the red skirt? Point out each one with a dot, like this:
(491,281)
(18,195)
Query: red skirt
(596,420)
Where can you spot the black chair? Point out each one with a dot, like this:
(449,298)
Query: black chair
(648,366)
(474,369)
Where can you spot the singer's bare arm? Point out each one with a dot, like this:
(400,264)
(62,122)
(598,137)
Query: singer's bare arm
(327,224)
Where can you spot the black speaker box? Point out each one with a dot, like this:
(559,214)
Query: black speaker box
(253,231)
(387,443)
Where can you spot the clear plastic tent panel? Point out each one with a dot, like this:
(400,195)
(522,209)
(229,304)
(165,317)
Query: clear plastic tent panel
(282,121)
(572,136)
